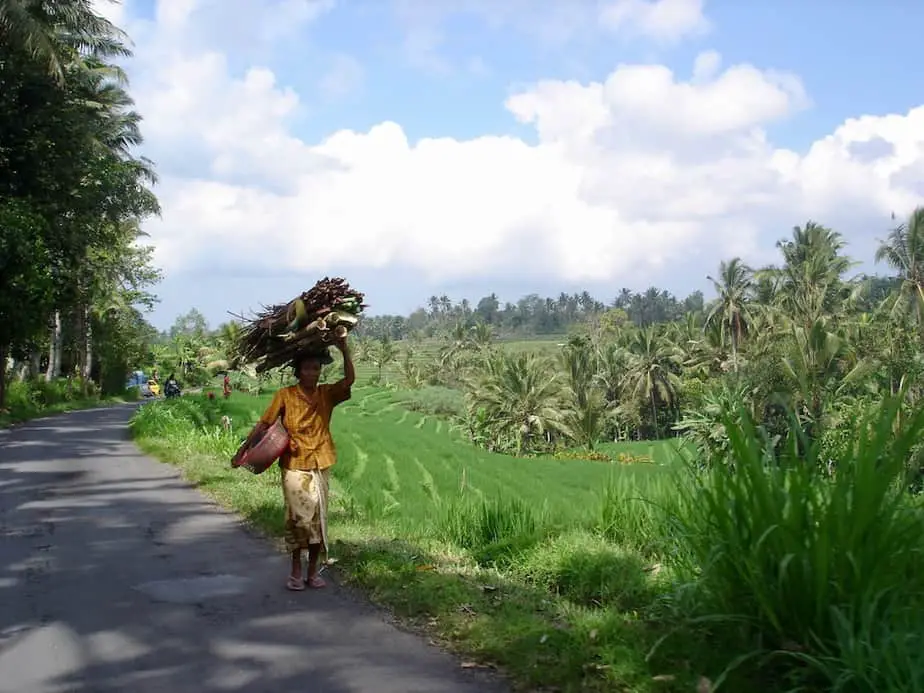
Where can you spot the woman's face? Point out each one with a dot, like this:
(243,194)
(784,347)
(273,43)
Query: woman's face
(309,371)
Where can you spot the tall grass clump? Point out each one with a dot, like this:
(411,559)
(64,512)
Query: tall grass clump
(822,570)
(493,531)
(192,424)
(589,571)
(640,512)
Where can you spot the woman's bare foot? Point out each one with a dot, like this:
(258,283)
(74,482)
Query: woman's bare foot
(315,582)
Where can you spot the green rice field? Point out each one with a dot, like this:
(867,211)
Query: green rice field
(402,464)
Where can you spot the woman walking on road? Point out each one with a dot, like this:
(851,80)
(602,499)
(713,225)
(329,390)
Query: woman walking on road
(306,410)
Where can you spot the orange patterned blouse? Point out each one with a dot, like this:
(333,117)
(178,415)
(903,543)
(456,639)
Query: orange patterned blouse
(307,419)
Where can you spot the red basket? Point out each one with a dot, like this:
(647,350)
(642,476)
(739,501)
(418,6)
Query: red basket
(263,450)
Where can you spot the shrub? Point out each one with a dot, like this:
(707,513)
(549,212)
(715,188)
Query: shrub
(588,571)
(703,423)
(874,650)
(28,398)
(840,431)
(22,399)
(192,423)
(807,562)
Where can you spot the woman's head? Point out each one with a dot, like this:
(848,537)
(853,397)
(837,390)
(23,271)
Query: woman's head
(307,366)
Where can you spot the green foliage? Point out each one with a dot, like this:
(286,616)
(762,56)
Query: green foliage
(193,424)
(435,400)
(589,571)
(640,512)
(29,399)
(36,395)
(800,335)
(517,401)
(25,279)
(704,423)
(122,339)
(493,531)
(585,418)
(797,560)
(532,315)
(71,191)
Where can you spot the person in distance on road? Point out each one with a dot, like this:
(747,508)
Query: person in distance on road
(306,408)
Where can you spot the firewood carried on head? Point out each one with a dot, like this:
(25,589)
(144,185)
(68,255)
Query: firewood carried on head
(320,316)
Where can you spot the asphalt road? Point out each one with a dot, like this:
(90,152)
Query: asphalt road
(115,575)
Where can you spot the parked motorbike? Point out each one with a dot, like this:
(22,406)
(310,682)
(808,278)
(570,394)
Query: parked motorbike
(172,389)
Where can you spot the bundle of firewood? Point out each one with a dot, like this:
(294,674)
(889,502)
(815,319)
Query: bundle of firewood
(325,313)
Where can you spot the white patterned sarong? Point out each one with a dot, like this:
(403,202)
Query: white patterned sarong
(306,493)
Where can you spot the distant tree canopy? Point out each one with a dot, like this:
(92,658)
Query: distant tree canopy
(534,315)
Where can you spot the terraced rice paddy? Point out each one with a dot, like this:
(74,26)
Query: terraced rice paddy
(400,464)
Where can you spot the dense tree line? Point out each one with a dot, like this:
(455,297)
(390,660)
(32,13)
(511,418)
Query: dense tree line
(531,315)
(536,316)
(74,279)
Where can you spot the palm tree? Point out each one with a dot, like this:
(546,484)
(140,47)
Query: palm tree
(811,279)
(227,341)
(612,359)
(54,32)
(903,251)
(382,352)
(520,394)
(820,365)
(732,309)
(585,417)
(709,353)
(410,369)
(651,373)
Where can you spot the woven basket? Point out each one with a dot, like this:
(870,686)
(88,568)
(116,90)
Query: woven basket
(263,450)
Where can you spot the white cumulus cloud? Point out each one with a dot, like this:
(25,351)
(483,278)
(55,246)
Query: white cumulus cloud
(624,176)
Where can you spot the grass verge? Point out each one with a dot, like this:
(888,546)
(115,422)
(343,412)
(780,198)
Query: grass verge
(30,400)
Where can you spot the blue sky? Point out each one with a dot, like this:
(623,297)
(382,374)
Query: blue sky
(566,155)
(852,58)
